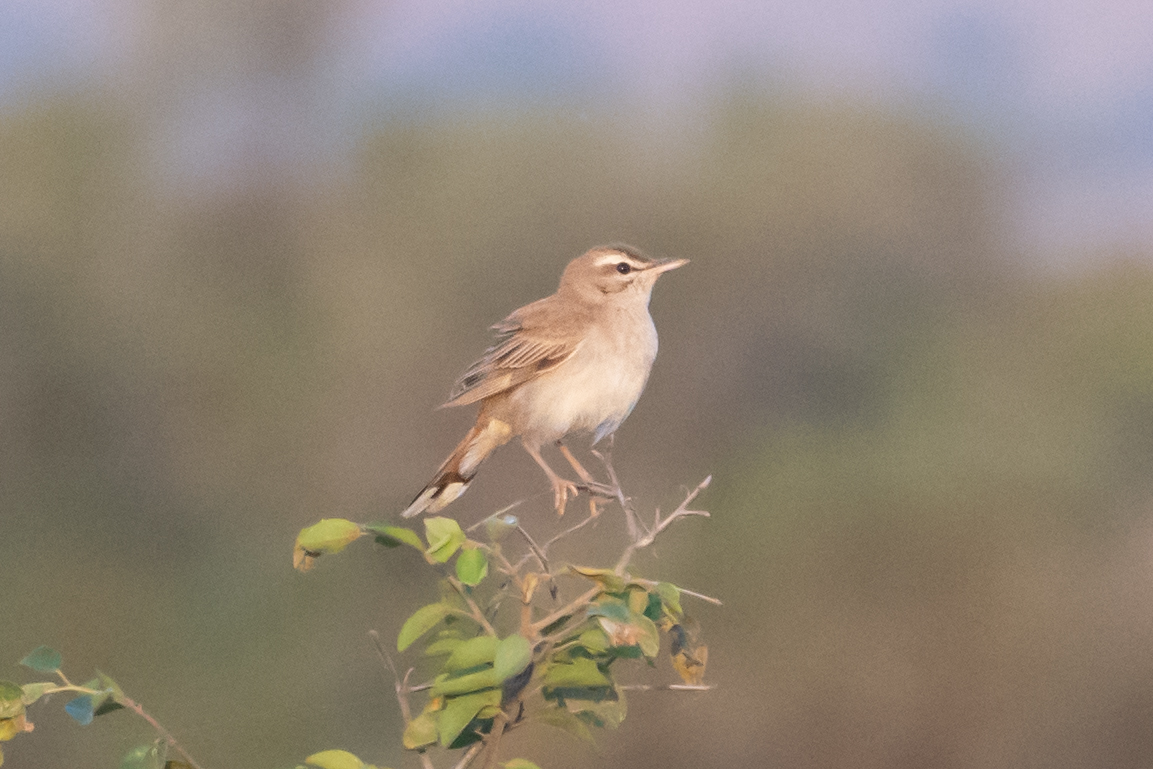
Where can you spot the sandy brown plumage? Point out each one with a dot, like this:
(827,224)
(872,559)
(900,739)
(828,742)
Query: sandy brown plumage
(574,361)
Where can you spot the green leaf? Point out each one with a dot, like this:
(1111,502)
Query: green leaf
(423,620)
(111,686)
(637,630)
(472,566)
(330,535)
(442,646)
(608,712)
(11,700)
(444,537)
(143,757)
(654,607)
(520,763)
(609,579)
(473,652)
(459,711)
(513,655)
(671,596)
(580,673)
(562,719)
(335,759)
(81,709)
(466,684)
(613,608)
(595,640)
(43,660)
(395,536)
(35,691)
(420,731)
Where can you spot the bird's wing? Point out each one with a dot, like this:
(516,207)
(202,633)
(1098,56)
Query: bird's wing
(528,343)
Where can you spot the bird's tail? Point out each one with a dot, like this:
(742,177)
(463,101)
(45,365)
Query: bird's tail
(457,472)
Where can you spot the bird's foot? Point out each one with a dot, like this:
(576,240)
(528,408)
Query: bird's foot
(561,489)
(596,489)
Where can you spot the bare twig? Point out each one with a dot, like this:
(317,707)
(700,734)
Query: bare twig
(536,550)
(686,591)
(543,554)
(571,608)
(493,739)
(632,523)
(469,755)
(487,518)
(666,687)
(402,690)
(660,524)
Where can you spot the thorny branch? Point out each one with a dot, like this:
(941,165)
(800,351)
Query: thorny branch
(660,524)
(640,536)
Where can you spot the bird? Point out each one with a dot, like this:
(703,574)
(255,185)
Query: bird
(573,362)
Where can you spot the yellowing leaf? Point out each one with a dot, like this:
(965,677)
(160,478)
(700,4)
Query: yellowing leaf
(335,759)
(11,700)
(10,727)
(531,580)
(330,535)
(608,578)
(421,731)
(690,664)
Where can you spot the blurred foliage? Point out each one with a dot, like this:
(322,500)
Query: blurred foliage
(509,651)
(932,522)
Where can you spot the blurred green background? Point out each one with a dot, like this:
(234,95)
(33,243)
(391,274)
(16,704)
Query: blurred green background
(932,453)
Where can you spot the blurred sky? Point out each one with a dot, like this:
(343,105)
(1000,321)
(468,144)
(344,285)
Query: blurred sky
(1062,89)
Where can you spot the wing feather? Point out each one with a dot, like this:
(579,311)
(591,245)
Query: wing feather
(526,346)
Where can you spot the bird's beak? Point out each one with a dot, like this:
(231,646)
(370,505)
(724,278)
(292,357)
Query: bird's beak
(665,265)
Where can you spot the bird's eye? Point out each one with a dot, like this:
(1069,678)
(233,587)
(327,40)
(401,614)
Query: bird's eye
(624,268)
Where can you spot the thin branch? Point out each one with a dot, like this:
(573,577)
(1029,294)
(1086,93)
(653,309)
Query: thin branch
(536,550)
(477,614)
(666,687)
(660,524)
(686,591)
(402,690)
(469,755)
(559,536)
(631,521)
(502,511)
(572,608)
(493,739)
(135,707)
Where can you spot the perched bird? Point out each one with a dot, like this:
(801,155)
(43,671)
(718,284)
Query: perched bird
(575,361)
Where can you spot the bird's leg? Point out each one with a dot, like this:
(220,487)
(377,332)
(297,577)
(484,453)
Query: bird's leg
(594,486)
(561,488)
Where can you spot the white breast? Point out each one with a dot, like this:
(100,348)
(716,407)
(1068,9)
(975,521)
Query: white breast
(597,387)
